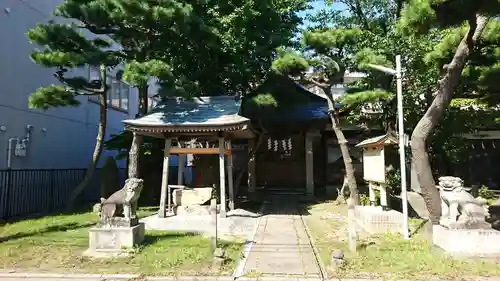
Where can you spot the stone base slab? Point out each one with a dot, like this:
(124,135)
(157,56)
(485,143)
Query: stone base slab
(194,210)
(192,196)
(467,242)
(113,241)
(375,220)
(118,222)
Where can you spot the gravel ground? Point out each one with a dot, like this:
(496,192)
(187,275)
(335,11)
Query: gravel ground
(238,224)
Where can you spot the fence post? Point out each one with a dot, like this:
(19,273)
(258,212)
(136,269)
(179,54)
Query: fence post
(7,194)
(52,191)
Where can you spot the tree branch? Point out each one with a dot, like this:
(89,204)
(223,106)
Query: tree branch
(355,8)
(96,30)
(317,83)
(89,91)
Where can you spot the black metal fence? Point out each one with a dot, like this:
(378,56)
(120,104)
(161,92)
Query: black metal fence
(26,192)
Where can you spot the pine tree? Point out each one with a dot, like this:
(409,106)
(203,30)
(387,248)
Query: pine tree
(466,22)
(192,48)
(65,48)
(140,29)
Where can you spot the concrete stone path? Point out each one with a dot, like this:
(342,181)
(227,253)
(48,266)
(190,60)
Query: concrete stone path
(281,245)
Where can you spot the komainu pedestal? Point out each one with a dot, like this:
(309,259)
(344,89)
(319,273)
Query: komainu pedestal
(115,240)
(463,229)
(116,235)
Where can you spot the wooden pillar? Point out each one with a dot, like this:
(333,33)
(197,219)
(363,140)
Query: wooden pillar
(180,171)
(230,182)
(164,179)
(371,193)
(309,165)
(383,197)
(251,169)
(222,179)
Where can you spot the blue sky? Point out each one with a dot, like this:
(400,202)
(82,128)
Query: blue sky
(318,5)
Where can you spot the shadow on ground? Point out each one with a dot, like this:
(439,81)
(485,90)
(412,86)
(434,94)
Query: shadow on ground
(76,211)
(152,238)
(494,218)
(49,229)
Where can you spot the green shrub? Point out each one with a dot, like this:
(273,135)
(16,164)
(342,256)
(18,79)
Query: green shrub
(364,199)
(486,193)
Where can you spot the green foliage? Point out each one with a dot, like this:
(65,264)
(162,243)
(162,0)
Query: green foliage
(367,56)
(420,16)
(52,96)
(426,34)
(63,47)
(265,100)
(121,142)
(364,199)
(444,50)
(486,193)
(393,180)
(358,99)
(417,17)
(192,48)
(290,62)
(335,39)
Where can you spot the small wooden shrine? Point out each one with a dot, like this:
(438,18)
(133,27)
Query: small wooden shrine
(375,152)
(203,119)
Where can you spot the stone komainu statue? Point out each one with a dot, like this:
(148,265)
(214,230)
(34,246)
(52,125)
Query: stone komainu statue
(460,210)
(126,197)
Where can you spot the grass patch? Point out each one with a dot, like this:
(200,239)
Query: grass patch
(387,256)
(56,244)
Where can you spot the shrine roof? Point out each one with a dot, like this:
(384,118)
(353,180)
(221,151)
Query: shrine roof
(280,98)
(203,114)
(388,138)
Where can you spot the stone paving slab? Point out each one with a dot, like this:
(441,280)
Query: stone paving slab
(281,245)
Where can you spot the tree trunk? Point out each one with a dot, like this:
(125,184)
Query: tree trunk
(349,169)
(251,153)
(101,132)
(341,194)
(344,148)
(134,154)
(443,95)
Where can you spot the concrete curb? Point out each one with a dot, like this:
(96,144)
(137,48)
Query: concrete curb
(114,277)
(67,276)
(319,261)
(130,277)
(239,271)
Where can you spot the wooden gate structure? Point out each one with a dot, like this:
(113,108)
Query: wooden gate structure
(205,119)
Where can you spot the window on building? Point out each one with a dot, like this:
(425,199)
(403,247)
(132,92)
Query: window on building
(118,93)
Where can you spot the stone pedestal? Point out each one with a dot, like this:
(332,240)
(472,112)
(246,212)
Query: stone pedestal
(192,196)
(376,220)
(194,210)
(114,241)
(467,242)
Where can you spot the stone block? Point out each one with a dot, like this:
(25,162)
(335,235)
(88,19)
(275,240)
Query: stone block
(418,204)
(192,196)
(375,220)
(118,222)
(467,242)
(115,239)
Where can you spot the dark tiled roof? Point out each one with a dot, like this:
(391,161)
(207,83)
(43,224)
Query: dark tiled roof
(389,138)
(201,111)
